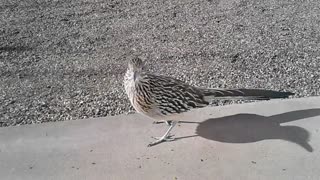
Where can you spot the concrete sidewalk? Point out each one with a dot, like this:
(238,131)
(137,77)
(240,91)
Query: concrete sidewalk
(277,139)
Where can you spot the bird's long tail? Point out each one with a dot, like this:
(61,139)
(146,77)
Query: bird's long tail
(245,94)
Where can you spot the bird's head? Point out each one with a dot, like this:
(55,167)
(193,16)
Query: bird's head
(135,65)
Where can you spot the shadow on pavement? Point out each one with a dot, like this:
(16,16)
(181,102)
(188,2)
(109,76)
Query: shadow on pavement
(247,128)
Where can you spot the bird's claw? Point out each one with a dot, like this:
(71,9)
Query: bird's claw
(168,138)
(161,139)
(168,123)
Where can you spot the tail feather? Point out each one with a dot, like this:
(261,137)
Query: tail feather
(246,94)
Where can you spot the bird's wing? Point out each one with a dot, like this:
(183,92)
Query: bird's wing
(173,95)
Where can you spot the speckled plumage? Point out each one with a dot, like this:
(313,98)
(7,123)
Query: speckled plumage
(160,97)
(165,98)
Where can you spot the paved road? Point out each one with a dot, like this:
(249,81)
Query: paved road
(278,139)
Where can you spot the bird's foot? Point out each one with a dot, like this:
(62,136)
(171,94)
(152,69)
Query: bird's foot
(161,139)
(168,123)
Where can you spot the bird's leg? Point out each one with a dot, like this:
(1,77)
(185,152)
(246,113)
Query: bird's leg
(168,123)
(166,136)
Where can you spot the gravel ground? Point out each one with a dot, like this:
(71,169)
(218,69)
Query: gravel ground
(65,59)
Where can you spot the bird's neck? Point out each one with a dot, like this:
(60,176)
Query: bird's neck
(132,75)
(130,81)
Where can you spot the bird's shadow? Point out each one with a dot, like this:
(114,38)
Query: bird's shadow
(247,128)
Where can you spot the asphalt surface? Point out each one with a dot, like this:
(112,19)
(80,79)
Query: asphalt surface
(65,59)
(240,141)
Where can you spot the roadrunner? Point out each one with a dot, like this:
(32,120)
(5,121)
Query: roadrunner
(165,99)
